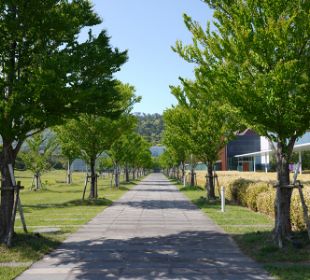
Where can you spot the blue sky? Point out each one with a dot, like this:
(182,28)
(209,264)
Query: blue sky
(148,29)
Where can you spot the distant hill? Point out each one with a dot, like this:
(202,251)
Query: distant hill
(150,126)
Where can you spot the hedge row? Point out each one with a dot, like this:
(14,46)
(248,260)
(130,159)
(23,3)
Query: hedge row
(260,196)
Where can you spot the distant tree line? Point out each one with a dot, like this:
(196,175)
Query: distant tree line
(150,126)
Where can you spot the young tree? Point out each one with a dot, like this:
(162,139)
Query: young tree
(259,59)
(68,149)
(213,124)
(46,75)
(93,135)
(37,157)
(120,148)
(176,136)
(167,161)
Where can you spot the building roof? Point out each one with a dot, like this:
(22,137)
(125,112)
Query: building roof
(297,148)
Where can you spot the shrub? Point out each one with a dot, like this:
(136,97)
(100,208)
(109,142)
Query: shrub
(252,193)
(236,191)
(265,202)
(297,217)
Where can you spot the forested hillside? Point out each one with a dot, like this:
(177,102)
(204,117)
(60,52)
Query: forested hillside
(150,126)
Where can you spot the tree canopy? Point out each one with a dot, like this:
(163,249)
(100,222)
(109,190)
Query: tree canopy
(47,75)
(258,60)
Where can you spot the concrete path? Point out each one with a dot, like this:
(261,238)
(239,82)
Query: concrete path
(152,232)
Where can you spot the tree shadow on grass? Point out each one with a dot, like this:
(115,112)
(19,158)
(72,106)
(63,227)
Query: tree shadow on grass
(30,247)
(76,202)
(190,189)
(260,245)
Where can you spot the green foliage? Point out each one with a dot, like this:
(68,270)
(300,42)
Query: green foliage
(136,151)
(167,159)
(67,147)
(46,73)
(91,135)
(105,163)
(258,60)
(305,159)
(176,135)
(150,126)
(38,154)
(212,121)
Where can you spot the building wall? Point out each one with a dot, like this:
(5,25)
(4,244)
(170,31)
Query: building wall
(264,146)
(247,142)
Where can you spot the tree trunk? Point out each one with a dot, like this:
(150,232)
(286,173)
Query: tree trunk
(116,178)
(69,175)
(93,191)
(283,227)
(133,174)
(211,193)
(183,172)
(192,177)
(127,174)
(37,181)
(178,173)
(7,193)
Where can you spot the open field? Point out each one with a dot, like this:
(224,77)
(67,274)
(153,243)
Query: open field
(253,233)
(226,177)
(57,206)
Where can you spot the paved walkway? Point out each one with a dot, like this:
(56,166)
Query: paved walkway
(152,232)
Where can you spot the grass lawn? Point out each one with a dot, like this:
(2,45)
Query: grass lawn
(252,232)
(58,205)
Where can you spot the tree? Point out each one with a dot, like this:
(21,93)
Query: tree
(167,161)
(37,157)
(136,154)
(46,75)
(93,135)
(68,149)
(176,136)
(259,59)
(212,124)
(120,148)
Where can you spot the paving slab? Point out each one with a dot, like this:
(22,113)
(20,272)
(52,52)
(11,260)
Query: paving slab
(152,232)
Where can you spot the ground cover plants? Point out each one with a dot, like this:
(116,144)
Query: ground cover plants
(57,206)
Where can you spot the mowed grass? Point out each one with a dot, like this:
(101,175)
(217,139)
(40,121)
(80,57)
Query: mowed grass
(253,233)
(57,205)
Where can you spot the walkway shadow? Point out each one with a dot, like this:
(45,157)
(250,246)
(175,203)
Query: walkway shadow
(158,204)
(155,183)
(156,190)
(185,255)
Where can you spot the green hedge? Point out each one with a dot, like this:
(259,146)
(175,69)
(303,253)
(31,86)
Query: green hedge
(260,196)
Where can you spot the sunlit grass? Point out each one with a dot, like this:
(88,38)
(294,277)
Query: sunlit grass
(57,205)
(253,233)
